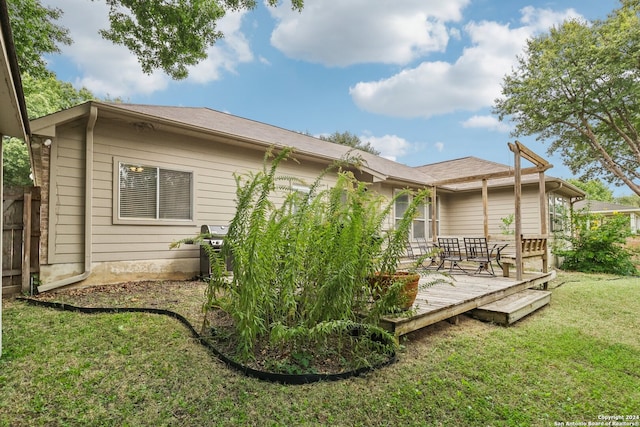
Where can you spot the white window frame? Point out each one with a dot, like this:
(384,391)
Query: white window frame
(425,218)
(558,211)
(118,219)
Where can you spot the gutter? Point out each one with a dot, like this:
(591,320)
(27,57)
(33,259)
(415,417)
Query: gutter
(88,209)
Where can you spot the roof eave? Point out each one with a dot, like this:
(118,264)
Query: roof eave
(18,127)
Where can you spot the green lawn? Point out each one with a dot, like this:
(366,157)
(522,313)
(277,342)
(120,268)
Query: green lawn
(574,361)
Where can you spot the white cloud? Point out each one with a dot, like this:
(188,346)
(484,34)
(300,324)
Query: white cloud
(486,122)
(226,54)
(108,69)
(439,146)
(390,146)
(342,33)
(470,83)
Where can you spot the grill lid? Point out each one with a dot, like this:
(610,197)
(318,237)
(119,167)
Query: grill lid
(214,230)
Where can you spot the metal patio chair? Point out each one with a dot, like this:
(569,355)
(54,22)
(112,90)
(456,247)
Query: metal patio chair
(430,251)
(477,250)
(450,252)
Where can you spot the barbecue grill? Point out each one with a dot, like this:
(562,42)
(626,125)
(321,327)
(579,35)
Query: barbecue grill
(215,239)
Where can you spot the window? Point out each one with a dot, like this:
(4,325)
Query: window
(422,222)
(300,192)
(558,213)
(153,193)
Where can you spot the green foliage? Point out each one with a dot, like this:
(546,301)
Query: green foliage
(35,34)
(350,140)
(577,87)
(507,222)
(47,95)
(43,95)
(170,36)
(595,189)
(15,159)
(630,200)
(165,35)
(597,245)
(302,263)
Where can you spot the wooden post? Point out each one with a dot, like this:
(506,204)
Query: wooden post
(485,208)
(544,218)
(434,212)
(26,243)
(518,211)
(543,204)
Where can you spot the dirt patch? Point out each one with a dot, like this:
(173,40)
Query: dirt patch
(183,297)
(337,352)
(187,298)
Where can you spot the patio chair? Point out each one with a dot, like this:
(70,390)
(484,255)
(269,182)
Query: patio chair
(478,251)
(430,251)
(450,252)
(421,253)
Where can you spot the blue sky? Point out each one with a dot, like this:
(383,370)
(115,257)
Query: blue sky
(415,78)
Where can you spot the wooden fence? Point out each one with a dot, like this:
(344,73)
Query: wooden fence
(20,239)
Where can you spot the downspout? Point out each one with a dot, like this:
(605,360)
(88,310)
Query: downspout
(88,209)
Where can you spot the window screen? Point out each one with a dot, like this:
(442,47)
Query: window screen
(148,192)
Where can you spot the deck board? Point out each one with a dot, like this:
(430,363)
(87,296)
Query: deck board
(444,301)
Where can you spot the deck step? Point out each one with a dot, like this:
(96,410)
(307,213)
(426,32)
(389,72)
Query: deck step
(512,308)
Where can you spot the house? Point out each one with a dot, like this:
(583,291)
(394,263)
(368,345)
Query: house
(609,209)
(462,202)
(120,182)
(13,112)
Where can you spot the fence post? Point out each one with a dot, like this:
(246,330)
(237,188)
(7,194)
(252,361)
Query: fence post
(26,243)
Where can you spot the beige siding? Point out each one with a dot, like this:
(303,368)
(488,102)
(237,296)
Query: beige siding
(212,163)
(117,245)
(462,215)
(66,209)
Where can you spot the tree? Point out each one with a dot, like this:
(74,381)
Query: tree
(47,95)
(630,200)
(35,34)
(595,189)
(351,140)
(44,95)
(578,87)
(165,35)
(15,160)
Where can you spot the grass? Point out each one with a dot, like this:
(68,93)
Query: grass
(571,362)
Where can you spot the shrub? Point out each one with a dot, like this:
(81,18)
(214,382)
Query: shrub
(300,267)
(597,245)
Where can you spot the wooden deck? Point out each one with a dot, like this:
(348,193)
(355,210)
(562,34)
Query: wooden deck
(444,301)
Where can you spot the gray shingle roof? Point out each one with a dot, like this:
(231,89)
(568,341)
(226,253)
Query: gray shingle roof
(598,206)
(463,167)
(469,166)
(263,134)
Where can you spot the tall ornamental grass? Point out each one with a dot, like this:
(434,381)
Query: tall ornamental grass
(300,266)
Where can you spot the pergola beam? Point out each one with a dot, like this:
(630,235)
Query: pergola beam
(493,175)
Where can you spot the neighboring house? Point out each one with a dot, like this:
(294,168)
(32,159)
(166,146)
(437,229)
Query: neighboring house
(13,112)
(120,182)
(610,209)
